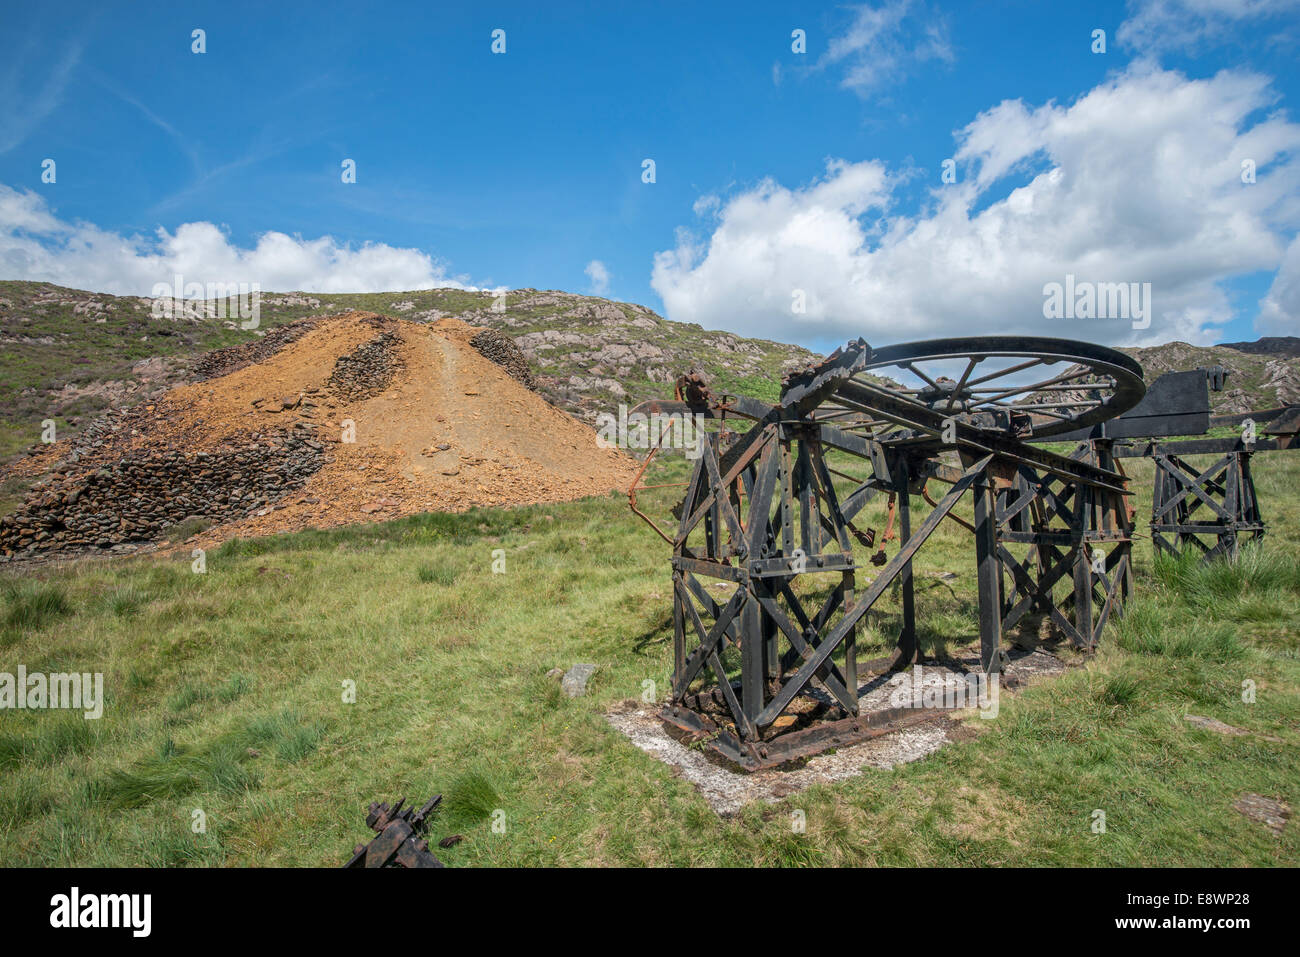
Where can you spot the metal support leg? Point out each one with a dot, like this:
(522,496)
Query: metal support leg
(753,643)
(1083,565)
(679,629)
(988,575)
(908,651)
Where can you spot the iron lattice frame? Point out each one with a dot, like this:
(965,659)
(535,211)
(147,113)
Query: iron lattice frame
(763,516)
(1212,508)
(1077,534)
(1218,502)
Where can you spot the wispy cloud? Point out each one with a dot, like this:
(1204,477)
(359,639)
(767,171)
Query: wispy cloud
(184,142)
(265,146)
(884,44)
(1159,26)
(23,109)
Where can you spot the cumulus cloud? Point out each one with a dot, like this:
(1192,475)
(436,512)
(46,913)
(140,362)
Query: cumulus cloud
(599,276)
(1140,180)
(36,244)
(1158,26)
(884,42)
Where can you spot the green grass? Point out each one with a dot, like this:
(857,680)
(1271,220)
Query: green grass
(225,694)
(30,606)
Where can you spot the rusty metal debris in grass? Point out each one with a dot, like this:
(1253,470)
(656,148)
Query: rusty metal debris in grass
(766,673)
(400,837)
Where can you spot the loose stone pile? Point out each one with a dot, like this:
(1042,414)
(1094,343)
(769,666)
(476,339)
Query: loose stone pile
(138,498)
(502,350)
(368,369)
(223,361)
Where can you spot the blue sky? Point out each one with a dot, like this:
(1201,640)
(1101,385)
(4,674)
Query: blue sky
(522,169)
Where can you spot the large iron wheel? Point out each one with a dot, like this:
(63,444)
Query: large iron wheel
(1027,385)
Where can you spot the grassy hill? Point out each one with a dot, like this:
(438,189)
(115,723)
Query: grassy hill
(1261,375)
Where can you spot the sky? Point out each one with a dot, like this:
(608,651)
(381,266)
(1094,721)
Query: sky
(895,170)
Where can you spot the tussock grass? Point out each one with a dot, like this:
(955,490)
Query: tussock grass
(29,606)
(221,765)
(1258,571)
(127,601)
(471,797)
(1146,629)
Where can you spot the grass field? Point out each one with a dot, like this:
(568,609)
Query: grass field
(225,695)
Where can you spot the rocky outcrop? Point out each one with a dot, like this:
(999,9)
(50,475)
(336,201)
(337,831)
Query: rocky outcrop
(1286,346)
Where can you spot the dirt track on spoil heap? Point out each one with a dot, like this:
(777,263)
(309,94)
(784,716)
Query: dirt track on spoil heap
(438,427)
(452,430)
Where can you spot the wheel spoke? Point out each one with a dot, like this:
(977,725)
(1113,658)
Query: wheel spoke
(1098,383)
(1007,371)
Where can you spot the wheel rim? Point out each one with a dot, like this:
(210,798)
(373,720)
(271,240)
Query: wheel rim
(1024,384)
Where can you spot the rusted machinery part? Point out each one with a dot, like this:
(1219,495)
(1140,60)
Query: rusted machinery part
(1098,383)
(889,535)
(691,389)
(636,486)
(399,841)
(804,390)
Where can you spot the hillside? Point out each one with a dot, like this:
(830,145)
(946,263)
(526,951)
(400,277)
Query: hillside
(355,417)
(68,355)
(1261,375)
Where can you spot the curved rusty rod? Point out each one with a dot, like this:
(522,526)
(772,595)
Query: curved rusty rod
(636,481)
(925,494)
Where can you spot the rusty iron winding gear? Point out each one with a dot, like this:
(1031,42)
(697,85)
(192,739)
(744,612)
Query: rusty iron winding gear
(764,571)
(763,562)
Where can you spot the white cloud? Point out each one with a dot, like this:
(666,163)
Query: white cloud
(1157,26)
(1279,311)
(1138,181)
(884,42)
(599,277)
(35,244)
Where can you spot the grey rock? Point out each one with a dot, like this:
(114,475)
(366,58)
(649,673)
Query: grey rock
(575,680)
